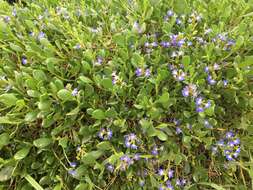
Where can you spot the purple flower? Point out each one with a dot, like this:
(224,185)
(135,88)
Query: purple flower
(74,92)
(189,43)
(237,141)
(191,89)
(207,124)
(105,134)
(72,172)
(216,66)
(142,183)
(229,157)
(178,182)
(77,46)
(225,82)
(131,141)
(137,157)
(138,72)
(210,80)
(178,21)
(229,134)
(170,13)
(154,151)
(199,101)
(154,44)
(220,142)
(231,143)
(14,12)
(222,37)
(206,69)
(24,61)
(170,173)
(41,35)
(208,104)
(185,91)
(180,43)
(137,27)
(7,19)
(165,44)
(199,109)
(207,31)
(73,164)
(110,168)
(178,130)
(161,172)
(126,161)
(147,44)
(169,185)
(147,73)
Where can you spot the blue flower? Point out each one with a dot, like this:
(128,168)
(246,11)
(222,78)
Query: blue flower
(229,134)
(170,173)
(137,157)
(178,21)
(138,72)
(225,83)
(105,134)
(72,172)
(41,35)
(142,183)
(73,164)
(77,46)
(170,13)
(178,130)
(110,168)
(24,61)
(147,73)
(126,161)
(161,172)
(191,89)
(154,151)
(229,157)
(131,141)
(165,44)
(169,185)
(75,92)
(210,80)
(207,124)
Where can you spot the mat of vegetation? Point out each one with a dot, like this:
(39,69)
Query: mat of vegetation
(126,95)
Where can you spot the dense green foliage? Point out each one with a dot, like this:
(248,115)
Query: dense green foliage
(117,94)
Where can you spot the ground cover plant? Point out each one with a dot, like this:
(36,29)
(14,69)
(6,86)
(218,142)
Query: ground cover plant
(117,94)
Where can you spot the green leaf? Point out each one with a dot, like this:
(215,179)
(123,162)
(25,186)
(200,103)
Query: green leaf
(164,98)
(39,75)
(119,39)
(91,157)
(16,48)
(85,80)
(22,153)
(186,60)
(4,140)
(107,83)
(82,186)
(65,95)
(213,185)
(5,173)
(33,183)
(161,135)
(42,142)
(104,145)
(181,6)
(98,114)
(8,99)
